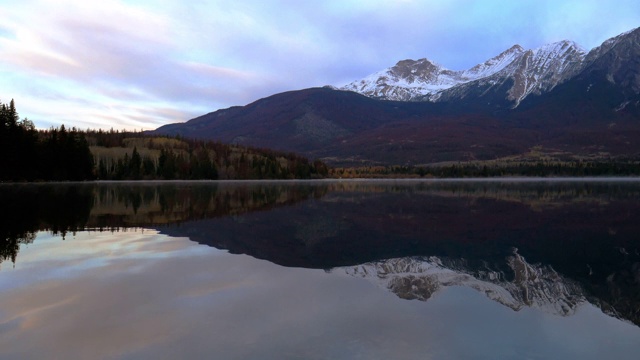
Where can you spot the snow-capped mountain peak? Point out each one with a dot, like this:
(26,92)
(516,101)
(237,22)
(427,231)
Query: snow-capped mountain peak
(530,71)
(406,80)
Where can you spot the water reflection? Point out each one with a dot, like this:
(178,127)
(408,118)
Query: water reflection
(68,208)
(550,245)
(143,295)
(533,285)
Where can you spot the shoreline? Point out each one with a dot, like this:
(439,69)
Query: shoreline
(510,179)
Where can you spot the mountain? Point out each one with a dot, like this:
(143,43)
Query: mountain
(511,76)
(423,79)
(557,97)
(524,71)
(618,60)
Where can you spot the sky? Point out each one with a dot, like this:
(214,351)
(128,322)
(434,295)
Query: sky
(140,64)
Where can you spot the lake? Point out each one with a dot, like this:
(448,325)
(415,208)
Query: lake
(336,269)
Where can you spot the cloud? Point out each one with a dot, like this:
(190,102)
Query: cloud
(123,55)
(200,56)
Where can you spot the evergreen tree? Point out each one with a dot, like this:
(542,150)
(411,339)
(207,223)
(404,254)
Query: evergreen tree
(135,164)
(13,114)
(148,168)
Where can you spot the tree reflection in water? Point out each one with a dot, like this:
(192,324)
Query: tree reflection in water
(584,231)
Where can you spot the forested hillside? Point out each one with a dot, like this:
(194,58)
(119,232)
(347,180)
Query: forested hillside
(59,154)
(135,156)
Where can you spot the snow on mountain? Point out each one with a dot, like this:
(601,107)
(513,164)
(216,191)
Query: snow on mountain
(529,285)
(532,71)
(407,80)
(495,64)
(410,79)
(541,69)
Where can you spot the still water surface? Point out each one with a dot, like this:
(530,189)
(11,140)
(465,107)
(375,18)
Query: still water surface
(321,270)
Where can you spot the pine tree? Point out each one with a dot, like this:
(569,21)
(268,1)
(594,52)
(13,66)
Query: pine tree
(13,114)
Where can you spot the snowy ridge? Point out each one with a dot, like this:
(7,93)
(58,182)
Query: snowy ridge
(543,68)
(495,64)
(410,79)
(406,80)
(531,71)
(420,278)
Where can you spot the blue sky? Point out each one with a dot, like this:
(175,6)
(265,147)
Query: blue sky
(139,64)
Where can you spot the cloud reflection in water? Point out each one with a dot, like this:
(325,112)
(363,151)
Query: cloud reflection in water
(139,294)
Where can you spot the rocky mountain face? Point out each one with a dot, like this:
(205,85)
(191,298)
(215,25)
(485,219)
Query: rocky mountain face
(618,59)
(508,78)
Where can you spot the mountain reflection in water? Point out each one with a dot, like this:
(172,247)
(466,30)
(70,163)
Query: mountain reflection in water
(548,244)
(537,286)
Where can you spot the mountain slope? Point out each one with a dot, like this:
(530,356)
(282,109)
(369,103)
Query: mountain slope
(341,127)
(301,121)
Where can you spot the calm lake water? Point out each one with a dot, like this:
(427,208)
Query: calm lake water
(321,270)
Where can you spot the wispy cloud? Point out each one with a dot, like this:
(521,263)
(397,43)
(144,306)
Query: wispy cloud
(57,58)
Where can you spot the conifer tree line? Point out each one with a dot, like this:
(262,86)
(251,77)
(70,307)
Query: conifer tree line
(617,167)
(27,154)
